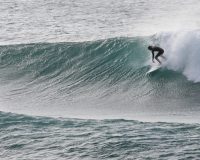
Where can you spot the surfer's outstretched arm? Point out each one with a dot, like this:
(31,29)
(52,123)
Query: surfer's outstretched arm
(163,57)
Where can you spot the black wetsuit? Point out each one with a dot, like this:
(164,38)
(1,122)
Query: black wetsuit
(157,49)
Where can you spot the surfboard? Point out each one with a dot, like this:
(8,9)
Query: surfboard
(153,68)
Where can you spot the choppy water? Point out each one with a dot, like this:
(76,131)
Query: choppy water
(25,137)
(81,66)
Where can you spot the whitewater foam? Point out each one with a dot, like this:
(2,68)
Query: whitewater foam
(182,50)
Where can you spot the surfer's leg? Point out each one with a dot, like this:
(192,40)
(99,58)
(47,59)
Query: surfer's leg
(156,57)
(158,60)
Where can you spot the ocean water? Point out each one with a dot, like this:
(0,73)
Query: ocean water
(73,82)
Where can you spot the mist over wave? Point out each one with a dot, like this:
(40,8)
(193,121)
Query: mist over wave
(102,79)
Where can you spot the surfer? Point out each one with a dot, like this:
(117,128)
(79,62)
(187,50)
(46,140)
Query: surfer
(156,49)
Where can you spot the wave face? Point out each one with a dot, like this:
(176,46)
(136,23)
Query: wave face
(102,79)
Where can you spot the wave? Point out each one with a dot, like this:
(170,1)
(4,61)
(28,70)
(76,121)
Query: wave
(76,65)
(110,72)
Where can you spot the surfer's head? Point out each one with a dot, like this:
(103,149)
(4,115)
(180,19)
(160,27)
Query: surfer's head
(150,47)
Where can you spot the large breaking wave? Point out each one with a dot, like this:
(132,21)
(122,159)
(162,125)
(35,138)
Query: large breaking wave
(78,78)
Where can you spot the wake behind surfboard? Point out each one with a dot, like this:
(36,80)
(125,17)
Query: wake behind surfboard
(154,68)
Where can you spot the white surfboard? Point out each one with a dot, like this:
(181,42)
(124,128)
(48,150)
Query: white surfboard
(154,68)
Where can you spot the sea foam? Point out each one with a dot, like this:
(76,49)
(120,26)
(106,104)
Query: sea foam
(182,51)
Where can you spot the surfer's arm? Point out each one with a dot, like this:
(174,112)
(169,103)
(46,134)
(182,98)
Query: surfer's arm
(153,56)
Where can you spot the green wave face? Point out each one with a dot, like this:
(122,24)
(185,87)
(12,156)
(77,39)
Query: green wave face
(107,62)
(88,75)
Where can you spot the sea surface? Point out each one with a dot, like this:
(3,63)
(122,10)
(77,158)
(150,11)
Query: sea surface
(73,82)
